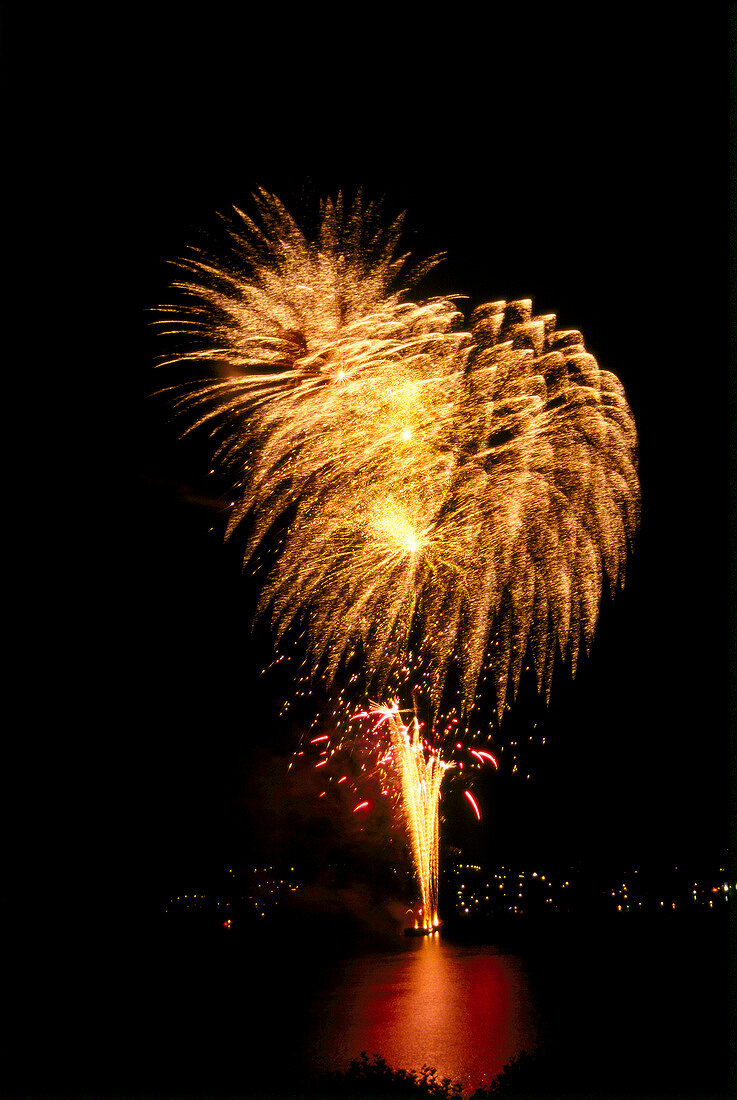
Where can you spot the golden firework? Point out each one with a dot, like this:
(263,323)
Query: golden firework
(446,497)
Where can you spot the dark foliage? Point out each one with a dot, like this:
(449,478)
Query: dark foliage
(373,1079)
(525,1075)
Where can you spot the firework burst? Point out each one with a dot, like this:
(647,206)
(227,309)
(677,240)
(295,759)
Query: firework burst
(443,499)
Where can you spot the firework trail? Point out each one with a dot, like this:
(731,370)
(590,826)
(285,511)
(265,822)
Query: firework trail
(420,776)
(434,500)
(395,759)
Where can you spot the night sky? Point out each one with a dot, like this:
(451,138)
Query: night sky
(581,164)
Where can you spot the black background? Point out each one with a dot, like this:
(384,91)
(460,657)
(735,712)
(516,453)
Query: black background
(576,158)
(573,162)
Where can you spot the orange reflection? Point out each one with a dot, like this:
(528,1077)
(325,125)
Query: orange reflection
(464,1010)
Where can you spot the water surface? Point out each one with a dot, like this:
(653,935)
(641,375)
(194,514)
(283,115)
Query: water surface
(464,1010)
(624,1009)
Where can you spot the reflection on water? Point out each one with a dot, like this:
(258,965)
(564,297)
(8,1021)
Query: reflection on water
(637,1009)
(463,1010)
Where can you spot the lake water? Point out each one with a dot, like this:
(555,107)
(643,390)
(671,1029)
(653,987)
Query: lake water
(628,1009)
(464,1010)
